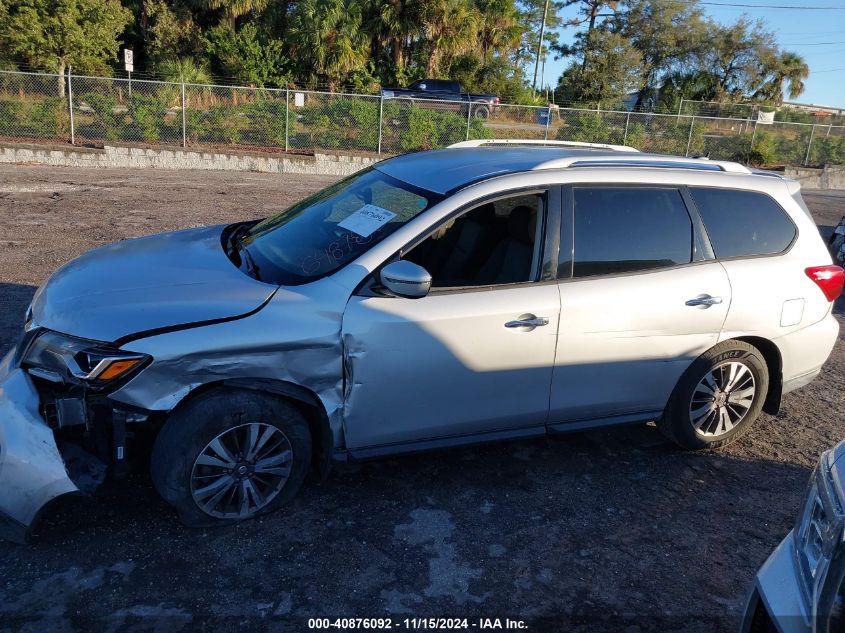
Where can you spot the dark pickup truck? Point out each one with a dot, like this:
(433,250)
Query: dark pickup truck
(444,95)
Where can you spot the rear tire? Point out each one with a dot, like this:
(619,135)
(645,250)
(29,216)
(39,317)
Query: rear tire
(717,398)
(231,455)
(481,112)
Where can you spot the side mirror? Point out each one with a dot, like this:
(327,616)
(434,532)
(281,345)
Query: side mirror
(406,279)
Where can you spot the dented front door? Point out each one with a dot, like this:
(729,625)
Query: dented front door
(450,364)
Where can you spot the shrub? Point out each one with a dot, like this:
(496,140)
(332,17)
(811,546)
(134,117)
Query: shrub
(47,117)
(636,135)
(267,122)
(769,148)
(342,123)
(428,129)
(587,127)
(221,124)
(148,117)
(828,151)
(109,121)
(11,111)
(478,130)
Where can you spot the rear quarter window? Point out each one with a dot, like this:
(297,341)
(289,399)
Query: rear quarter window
(743,223)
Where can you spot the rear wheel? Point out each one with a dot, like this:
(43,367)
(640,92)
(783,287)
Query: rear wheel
(718,397)
(231,455)
(481,112)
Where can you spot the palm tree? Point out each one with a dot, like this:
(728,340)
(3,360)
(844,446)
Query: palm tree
(450,28)
(499,28)
(779,69)
(394,24)
(178,69)
(233,9)
(792,70)
(327,36)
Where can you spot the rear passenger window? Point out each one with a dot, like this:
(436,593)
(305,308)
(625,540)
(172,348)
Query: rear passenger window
(743,223)
(627,229)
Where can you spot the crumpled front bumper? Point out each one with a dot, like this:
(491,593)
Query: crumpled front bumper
(32,472)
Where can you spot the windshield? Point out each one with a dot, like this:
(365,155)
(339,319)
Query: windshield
(327,230)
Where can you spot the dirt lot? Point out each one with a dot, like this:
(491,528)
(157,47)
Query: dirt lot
(606,530)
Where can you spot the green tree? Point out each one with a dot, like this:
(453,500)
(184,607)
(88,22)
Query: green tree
(248,54)
(327,39)
(786,71)
(695,85)
(450,29)
(667,33)
(394,25)
(734,55)
(530,14)
(610,68)
(178,69)
(55,34)
(167,32)
(233,9)
(499,31)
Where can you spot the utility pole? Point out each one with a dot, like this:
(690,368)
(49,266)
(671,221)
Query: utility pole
(540,45)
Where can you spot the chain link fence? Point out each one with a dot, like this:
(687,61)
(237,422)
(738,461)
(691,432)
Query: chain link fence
(99,110)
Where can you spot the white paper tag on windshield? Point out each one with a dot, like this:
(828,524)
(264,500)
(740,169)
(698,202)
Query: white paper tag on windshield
(367,220)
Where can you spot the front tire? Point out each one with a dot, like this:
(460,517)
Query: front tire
(231,455)
(718,397)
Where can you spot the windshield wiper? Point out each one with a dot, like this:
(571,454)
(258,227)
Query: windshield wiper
(233,242)
(235,246)
(246,258)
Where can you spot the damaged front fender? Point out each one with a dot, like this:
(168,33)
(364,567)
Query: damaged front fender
(32,472)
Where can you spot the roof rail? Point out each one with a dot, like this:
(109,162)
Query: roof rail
(646,160)
(519,141)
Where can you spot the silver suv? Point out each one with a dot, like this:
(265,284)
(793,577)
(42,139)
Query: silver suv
(483,292)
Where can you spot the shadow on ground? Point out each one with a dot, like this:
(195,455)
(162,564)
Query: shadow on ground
(551,531)
(14,299)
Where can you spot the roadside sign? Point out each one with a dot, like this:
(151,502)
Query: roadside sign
(765,118)
(128,60)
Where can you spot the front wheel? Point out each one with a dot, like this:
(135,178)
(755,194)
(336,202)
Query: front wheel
(718,397)
(231,455)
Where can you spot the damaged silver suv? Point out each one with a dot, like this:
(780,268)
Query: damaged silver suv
(482,292)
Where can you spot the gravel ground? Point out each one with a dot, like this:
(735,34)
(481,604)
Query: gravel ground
(604,530)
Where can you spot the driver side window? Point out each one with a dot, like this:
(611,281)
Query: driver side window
(495,243)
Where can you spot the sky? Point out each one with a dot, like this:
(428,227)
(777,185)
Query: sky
(804,30)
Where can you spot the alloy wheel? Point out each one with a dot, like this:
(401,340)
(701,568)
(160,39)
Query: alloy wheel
(722,399)
(241,470)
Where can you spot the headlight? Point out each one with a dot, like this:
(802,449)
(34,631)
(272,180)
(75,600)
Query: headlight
(810,534)
(28,323)
(387,94)
(62,358)
(820,544)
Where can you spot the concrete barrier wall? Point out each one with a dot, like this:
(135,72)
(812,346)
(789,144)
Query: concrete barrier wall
(827,178)
(324,164)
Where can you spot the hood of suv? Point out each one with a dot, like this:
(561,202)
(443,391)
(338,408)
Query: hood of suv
(148,283)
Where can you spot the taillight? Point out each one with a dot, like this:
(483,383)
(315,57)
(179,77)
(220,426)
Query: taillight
(829,278)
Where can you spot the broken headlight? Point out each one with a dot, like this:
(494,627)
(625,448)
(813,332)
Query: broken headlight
(820,544)
(61,358)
